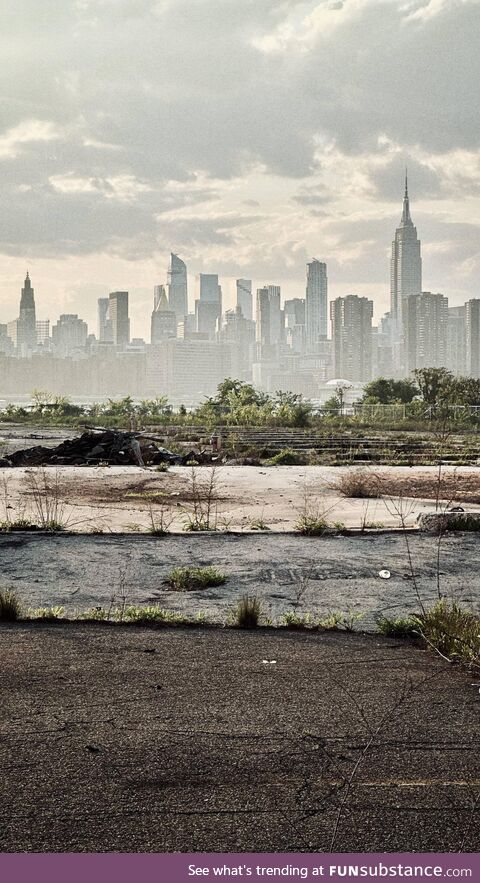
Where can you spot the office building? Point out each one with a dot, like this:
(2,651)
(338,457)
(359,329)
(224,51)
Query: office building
(472,337)
(244,297)
(118,316)
(405,264)
(164,320)
(177,287)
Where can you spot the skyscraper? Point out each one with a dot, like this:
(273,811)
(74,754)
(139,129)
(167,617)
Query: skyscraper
(164,320)
(118,315)
(352,337)
(244,297)
(177,287)
(104,329)
(27,329)
(406,263)
(270,319)
(208,306)
(425,324)
(316,316)
(472,324)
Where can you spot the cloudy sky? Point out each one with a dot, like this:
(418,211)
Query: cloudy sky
(248,136)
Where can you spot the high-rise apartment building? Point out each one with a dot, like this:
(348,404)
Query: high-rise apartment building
(425,324)
(472,335)
(456,341)
(316,309)
(406,263)
(118,316)
(352,337)
(177,287)
(164,320)
(244,297)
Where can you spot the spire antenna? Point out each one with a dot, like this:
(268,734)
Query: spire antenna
(406,182)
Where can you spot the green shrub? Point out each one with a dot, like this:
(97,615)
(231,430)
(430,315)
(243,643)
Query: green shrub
(293,620)
(247,612)
(287,457)
(153,613)
(312,526)
(47,613)
(451,630)
(10,607)
(184,579)
(399,627)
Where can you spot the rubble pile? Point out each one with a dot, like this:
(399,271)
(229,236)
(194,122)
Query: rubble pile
(104,447)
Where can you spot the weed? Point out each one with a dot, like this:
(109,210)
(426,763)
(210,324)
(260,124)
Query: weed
(44,490)
(399,627)
(10,607)
(258,524)
(204,496)
(162,467)
(286,457)
(48,613)
(18,525)
(247,612)
(452,631)
(95,614)
(154,613)
(293,620)
(337,620)
(358,484)
(312,526)
(160,521)
(187,579)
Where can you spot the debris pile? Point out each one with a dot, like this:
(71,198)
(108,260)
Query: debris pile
(103,447)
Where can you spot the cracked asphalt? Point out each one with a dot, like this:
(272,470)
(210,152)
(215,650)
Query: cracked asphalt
(317,575)
(122,738)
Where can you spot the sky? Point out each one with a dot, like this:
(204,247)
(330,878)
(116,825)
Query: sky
(247,136)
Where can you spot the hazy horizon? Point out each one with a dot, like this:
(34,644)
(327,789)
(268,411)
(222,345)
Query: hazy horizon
(246,137)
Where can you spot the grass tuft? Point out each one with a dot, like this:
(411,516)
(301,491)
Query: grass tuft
(247,612)
(357,484)
(188,579)
(312,526)
(10,607)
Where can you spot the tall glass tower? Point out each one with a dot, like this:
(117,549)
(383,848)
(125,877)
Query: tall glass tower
(406,263)
(177,287)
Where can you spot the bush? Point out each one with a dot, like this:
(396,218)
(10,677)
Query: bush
(313,526)
(9,606)
(358,484)
(247,612)
(184,579)
(451,630)
(400,627)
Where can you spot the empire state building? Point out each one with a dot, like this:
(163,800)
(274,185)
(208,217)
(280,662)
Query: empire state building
(406,263)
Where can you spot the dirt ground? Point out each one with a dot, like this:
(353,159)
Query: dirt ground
(135,740)
(118,499)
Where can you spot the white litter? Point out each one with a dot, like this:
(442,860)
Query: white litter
(269,661)
(384,574)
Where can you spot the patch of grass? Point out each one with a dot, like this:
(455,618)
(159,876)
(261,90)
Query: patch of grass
(10,607)
(293,620)
(162,467)
(286,457)
(452,631)
(152,613)
(373,525)
(95,614)
(258,524)
(398,627)
(357,484)
(312,526)
(18,525)
(336,620)
(46,613)
(247,612)
(188,579)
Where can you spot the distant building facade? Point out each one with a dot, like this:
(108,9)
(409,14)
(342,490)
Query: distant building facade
(351,318)
(316,304)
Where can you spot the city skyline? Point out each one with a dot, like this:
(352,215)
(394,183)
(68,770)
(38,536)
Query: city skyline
(106,168)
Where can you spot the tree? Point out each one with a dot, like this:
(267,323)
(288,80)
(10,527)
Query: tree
(435,386)
(387,391)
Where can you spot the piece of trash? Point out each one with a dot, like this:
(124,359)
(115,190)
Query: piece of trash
(384,574)
(269,661)
(457,509)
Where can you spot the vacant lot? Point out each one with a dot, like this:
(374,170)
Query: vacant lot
(119,499)
(126,739)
